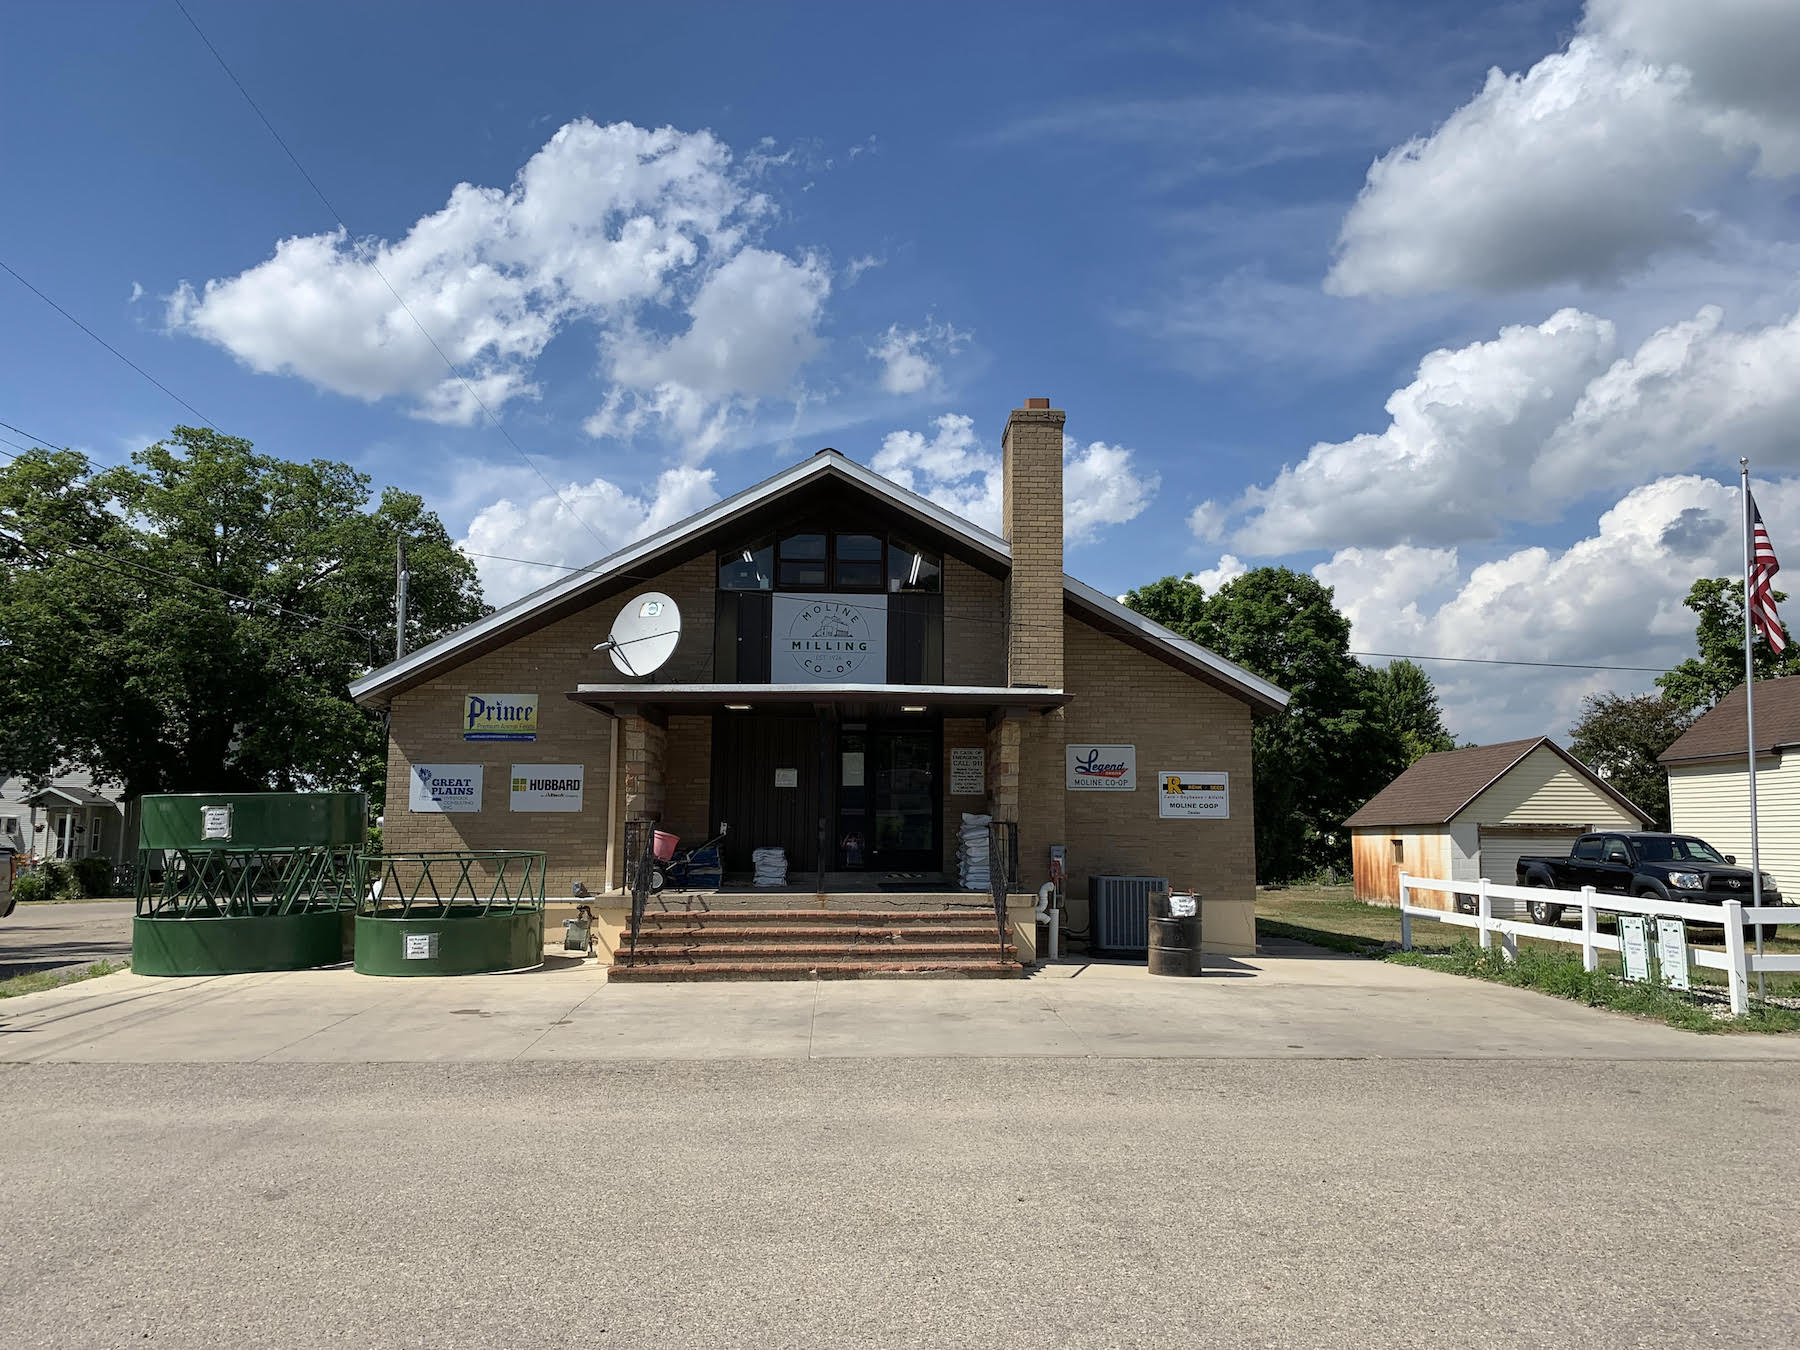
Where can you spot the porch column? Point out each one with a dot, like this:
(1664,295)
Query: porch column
(641,793)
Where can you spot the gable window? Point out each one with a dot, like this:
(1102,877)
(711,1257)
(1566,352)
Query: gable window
(751,568)
(802,563)
(858,562)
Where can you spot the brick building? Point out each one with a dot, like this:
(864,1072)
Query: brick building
(856,668)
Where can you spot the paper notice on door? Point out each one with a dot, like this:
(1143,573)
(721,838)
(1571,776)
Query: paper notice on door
(853,768)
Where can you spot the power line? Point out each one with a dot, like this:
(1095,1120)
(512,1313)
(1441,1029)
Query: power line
(374,267)
(1495,661)
(109,347)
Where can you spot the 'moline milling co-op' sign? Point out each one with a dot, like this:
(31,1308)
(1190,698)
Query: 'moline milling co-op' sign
(836,639)
(500,717)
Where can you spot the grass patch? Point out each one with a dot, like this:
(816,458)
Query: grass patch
(1560,974)
(39,981)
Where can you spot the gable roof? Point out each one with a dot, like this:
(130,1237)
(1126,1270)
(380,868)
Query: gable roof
(1720,731)
(571,592)
(1440,785)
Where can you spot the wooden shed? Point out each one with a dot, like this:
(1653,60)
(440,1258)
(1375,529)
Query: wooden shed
(1466,814)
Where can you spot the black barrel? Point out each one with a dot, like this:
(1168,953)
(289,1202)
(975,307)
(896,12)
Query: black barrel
(1174,942)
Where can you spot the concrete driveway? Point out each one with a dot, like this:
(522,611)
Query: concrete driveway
(1295,1002)
(43,936)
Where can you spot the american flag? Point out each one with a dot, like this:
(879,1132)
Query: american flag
(1763,568)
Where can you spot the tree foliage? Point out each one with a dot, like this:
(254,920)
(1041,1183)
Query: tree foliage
(126,651)
(1347,731)
(1702,680)
(1620,736)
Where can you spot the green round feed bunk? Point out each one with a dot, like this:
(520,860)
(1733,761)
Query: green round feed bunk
(471,913)
(236,883)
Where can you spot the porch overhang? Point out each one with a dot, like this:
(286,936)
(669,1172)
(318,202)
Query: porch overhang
(846,701)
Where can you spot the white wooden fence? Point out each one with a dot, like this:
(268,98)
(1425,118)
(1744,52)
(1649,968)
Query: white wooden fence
(1737,961)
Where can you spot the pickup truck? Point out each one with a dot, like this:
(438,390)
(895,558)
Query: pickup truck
(1663,866)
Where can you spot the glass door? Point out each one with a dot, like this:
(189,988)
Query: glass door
(903,790)
(853,799)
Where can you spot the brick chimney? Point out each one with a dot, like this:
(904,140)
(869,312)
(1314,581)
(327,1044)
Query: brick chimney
(1031,518)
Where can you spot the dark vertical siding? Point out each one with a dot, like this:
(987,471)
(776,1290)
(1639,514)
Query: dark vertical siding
(747,749)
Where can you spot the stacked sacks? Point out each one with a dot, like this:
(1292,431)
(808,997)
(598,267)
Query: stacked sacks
(972,852)
(770,865)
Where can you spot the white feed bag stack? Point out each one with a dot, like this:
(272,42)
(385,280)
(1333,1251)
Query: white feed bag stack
(972,852)
(770,865)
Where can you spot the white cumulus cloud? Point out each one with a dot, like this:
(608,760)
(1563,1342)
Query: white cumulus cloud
(1512,430)
(1611,598)
(645,234)
(1101,485)
(912,358)
(512,541)
(1583,168)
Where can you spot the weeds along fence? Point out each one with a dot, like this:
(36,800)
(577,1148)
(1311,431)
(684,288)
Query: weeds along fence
(1737,961)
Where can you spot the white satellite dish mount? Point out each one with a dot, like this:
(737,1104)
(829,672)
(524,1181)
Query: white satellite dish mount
(644,634)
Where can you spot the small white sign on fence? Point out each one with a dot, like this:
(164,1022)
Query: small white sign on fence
(1634,947)
(1672,952)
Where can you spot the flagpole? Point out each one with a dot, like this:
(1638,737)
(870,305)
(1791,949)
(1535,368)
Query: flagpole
(1750,718)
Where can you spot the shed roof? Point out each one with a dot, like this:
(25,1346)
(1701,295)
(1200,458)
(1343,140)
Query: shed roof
(1439,786)
(1720,731)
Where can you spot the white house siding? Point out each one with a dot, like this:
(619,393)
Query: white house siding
(1713,802)
(1542,789)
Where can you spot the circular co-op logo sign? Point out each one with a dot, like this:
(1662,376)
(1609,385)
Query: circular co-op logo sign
(830,639)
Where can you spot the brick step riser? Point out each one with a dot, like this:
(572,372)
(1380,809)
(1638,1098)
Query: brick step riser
(757,971)
(814,955)
(876,916)
(741,933)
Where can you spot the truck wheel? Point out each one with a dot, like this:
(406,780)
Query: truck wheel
(1545,912)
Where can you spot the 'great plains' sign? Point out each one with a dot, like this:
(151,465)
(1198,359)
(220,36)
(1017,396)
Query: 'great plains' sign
(445,787)
(1101,768)
(828,639)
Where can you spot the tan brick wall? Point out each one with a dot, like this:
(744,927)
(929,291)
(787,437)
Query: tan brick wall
(962,732)
(687,779)
(1126,697)
(426,727)
(974,625)
(1032,521)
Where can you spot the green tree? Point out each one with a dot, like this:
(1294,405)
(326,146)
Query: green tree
(1701,681)
(1402,698)
(1328,752)
(1619,737)
(125,650)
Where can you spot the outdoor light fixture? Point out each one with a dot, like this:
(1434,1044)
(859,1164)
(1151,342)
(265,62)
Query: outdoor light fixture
(738,707)
(912,707)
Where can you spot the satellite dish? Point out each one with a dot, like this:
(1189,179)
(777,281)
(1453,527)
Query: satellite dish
(645,633)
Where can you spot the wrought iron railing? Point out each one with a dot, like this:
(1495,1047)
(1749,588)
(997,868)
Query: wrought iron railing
(1003,871)
(194,883)
(421,885)
(640,861)
(637,833)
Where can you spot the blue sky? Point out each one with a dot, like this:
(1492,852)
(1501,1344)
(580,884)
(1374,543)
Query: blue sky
(1312,285)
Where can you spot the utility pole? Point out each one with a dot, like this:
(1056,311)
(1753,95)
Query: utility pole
(401,578)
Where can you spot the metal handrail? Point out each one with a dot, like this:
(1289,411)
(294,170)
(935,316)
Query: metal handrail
(640,888)
(482,881)
(1003,852)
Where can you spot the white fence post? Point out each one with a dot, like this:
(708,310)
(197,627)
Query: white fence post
(1590,957)
(1484,908)
(1405,918)
(1738,973)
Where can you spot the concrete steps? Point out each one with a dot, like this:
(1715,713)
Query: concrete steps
(787,944)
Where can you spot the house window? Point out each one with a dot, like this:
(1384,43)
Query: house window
(1399,849)
(751,568)
(802,564)
(858,562)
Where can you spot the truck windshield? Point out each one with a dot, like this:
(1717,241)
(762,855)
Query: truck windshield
(1677,849)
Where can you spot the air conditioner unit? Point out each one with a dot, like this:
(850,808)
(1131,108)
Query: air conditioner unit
(1119,913)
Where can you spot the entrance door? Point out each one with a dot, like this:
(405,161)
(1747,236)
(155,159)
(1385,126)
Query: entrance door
(904,797)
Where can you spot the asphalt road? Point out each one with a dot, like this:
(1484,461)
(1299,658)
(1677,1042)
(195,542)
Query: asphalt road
(885,1202)
(47,937)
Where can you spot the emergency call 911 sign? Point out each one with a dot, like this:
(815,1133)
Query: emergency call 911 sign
(1193,794)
